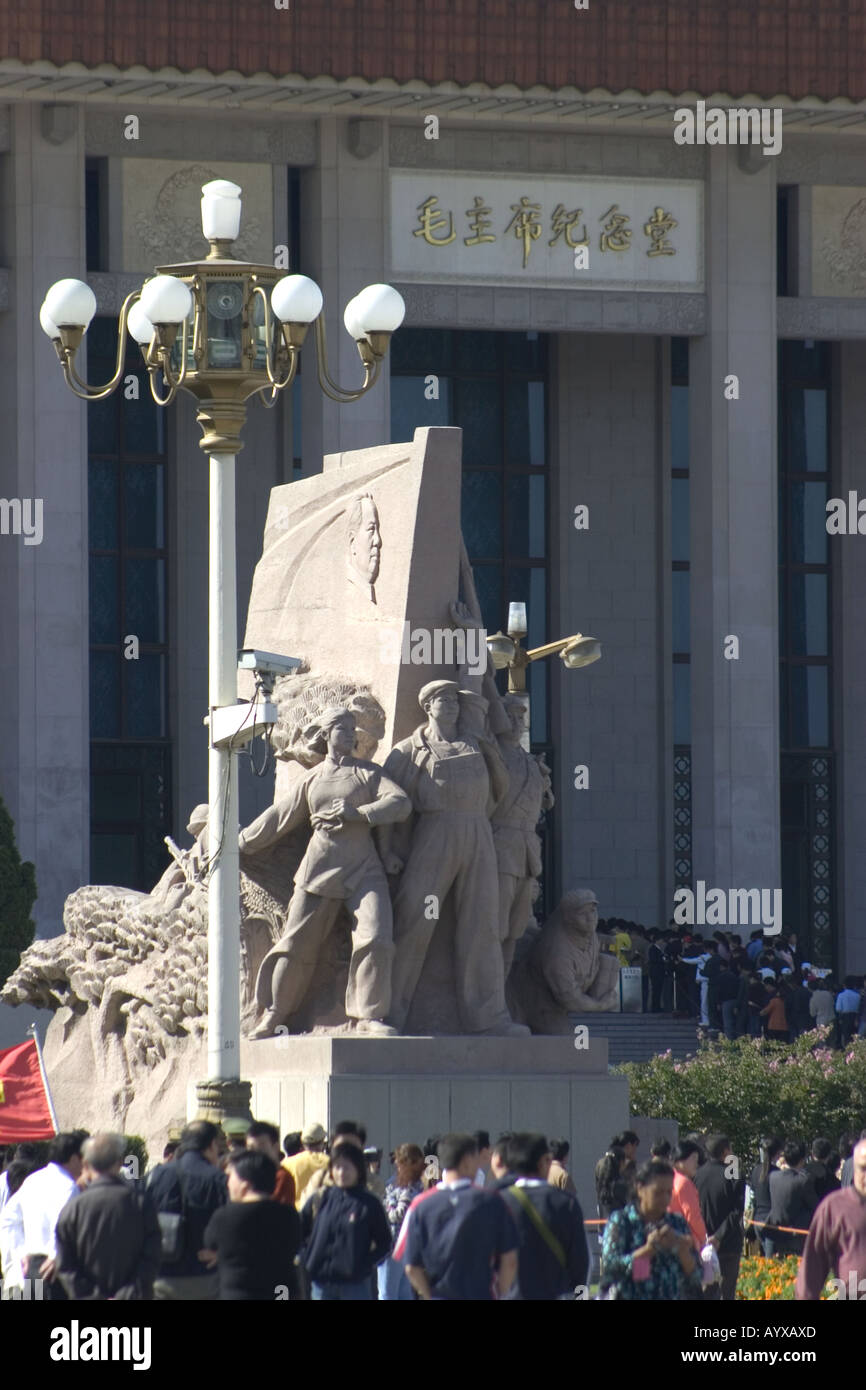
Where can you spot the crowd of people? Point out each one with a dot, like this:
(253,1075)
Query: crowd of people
(760,987)
(229,1214)
(676,1226)
(235,1213)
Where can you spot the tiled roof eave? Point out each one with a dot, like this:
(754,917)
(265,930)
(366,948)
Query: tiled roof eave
(385,97)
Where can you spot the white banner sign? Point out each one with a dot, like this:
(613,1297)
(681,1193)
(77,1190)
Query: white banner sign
(547,230)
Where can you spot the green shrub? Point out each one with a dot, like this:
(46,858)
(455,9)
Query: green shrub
(750,1087)
(17,896)
(135,1147)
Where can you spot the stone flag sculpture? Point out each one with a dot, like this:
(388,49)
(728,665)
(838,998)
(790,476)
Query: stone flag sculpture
(358,558)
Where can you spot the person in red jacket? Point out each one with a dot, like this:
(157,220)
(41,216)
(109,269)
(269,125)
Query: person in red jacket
(686,1199)
(265,1139)
(774,1012)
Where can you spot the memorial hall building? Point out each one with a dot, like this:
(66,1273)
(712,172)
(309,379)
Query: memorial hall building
(656,351)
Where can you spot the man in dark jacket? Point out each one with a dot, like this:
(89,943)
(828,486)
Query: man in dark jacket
(711,971)
(821,1169)
(500,1163)
(656,967)
(847,1174)
(552,1256)
(672,948)
(793,1200)
(722,1195)
(797,1006)
(108,1238)
(253,1239)
(727,997)
(459,1238)
(193,1187)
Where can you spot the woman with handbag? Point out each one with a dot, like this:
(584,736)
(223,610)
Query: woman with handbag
(648,1252)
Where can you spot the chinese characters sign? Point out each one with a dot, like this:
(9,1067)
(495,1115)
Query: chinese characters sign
(636,234)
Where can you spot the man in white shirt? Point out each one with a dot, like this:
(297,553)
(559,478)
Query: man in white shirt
(26,1153)
(28,1220)
(703,981)
(482,1139)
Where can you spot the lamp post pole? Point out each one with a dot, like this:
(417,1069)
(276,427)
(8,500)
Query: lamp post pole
(223,938)
(224,331)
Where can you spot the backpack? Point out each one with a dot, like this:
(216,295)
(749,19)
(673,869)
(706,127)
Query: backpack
(173,1227)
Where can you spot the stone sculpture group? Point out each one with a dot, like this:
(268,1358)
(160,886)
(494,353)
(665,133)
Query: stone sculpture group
(378,897)
(357,860)
(391,845)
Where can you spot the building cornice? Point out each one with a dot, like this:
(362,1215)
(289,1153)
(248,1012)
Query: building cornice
(135,88)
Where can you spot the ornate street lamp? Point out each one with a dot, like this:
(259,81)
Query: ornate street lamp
(224,331)
(506,652)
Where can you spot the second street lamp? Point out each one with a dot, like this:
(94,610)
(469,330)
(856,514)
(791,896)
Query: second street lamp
(507,653)
(224,331)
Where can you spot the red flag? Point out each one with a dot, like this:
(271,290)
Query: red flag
(24,1109)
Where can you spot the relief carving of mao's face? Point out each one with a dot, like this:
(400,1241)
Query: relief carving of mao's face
(365,543)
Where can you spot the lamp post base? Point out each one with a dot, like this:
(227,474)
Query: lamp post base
(223,1100)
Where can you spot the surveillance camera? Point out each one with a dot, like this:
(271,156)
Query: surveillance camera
(266,663)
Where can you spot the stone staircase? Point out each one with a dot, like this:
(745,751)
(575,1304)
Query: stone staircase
(637,1037)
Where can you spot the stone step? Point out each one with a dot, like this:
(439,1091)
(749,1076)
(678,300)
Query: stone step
(637,1037)
(649,1026)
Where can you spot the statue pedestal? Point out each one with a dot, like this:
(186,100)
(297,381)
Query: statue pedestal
(402,1089)
(405,1089)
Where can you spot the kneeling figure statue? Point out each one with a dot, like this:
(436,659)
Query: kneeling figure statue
(565,971)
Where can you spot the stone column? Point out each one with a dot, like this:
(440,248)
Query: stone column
(733,464)
(44,716)
(605,582)
(344,231)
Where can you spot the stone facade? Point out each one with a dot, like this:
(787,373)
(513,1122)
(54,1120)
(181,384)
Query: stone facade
(607,443)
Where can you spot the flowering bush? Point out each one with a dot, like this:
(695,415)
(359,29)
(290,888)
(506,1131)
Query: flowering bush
(771,1279)
(767,1279)
(751,1087)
